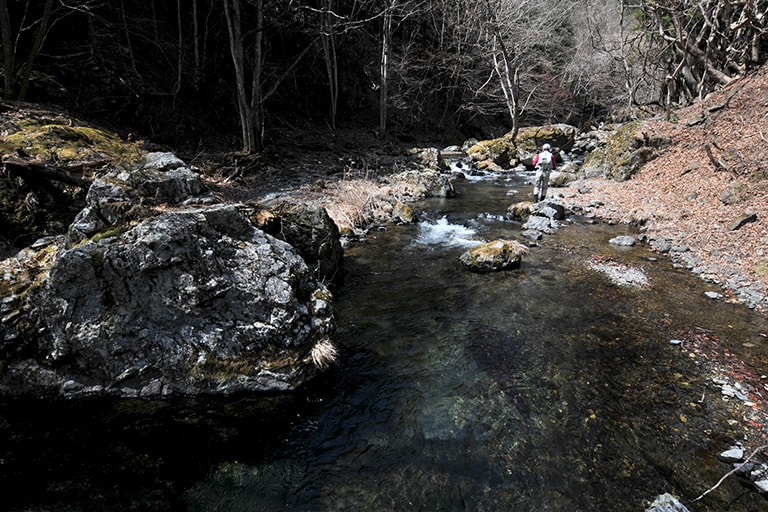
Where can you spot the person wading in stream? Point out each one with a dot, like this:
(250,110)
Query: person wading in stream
(543,162)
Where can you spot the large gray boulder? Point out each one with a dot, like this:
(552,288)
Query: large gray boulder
(197,301)
(421,184)
(122,195)
(310,230)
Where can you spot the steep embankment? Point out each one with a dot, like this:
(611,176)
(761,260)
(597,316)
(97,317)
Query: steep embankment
(694,194)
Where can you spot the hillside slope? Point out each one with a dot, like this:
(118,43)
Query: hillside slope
(715,172)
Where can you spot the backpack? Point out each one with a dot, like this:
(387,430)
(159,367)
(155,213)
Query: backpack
(545,161)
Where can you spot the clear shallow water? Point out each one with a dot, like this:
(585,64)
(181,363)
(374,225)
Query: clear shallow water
(546,388)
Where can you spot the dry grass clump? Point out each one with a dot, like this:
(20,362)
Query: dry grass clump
(324,354)
(356,204)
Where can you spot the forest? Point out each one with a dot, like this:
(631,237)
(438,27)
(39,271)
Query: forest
(189,72)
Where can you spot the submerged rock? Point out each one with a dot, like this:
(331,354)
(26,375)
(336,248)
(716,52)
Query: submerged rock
(623,241)
(619,273)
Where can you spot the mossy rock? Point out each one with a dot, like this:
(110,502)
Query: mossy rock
(49,137)
(505,150)
(494,256)
(519,211)
(559,136)
(61,142)
(626,151)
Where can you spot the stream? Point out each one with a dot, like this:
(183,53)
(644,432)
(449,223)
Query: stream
(548,388)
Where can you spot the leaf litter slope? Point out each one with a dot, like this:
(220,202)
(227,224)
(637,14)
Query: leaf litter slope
(718,143)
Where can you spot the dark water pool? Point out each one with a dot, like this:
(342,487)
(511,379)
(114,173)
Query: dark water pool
(545,388)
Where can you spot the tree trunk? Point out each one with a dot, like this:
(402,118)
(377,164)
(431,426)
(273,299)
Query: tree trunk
(42,33)
(232,13)
(508,80)
(257,97)
(386,35)
(196,45)
(331,62)
(9,64)
(180,52)
(128,44)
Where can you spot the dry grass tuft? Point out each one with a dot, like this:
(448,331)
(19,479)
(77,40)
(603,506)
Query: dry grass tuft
(357,203)
(324,354)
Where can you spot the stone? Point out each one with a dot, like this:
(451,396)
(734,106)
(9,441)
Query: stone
(123,194)
(623,241)
(537,223)
(311,231)
(621,274)
(493,256)
(734,454)
(745,218)
(549,209)
(402,212)
(520,210)
(732,194)
(429,158)
(532,234)
(666,503)
(421,184)
(191,302)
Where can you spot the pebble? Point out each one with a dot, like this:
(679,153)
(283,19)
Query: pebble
(732,392)
(734,454)
(624,241)
(713,295)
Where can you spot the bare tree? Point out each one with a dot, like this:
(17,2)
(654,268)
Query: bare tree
(9,61)
(616,62)
(249,97)
(709,43)
(40,26)
(329,22)
(521,41)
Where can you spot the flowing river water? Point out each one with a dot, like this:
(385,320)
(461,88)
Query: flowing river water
(548,388)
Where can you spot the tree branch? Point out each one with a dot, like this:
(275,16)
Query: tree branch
(79,174)
(734,470)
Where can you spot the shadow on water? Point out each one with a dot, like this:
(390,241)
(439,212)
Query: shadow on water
(544,388)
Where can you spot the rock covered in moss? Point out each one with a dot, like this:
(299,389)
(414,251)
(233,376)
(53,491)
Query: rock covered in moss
(520,210)
(627,149)
(507,152)
(494,256)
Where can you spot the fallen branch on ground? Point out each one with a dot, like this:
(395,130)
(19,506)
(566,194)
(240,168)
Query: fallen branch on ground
(734,470)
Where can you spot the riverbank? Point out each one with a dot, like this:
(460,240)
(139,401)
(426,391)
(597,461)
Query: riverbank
(704,200)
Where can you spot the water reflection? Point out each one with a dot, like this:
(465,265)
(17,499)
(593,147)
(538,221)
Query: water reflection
(544,388)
